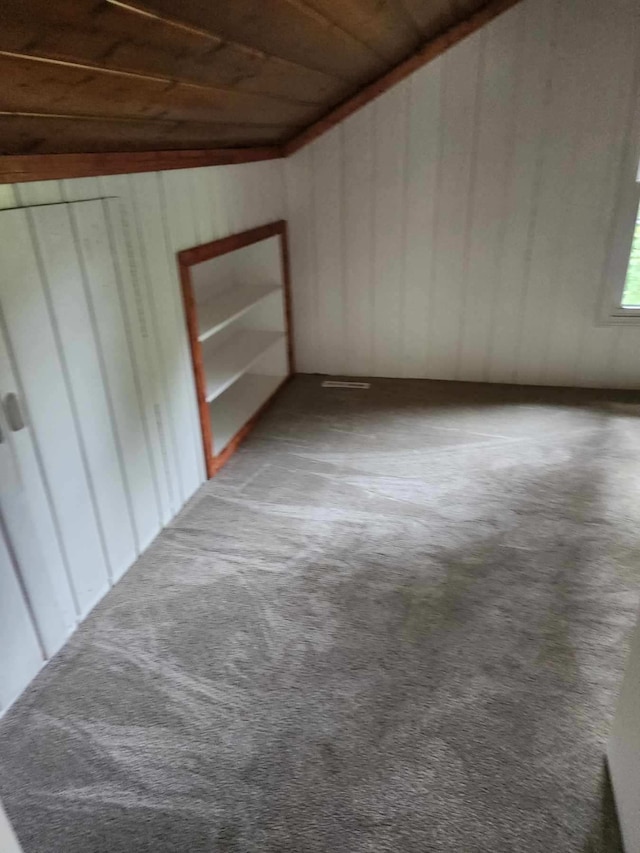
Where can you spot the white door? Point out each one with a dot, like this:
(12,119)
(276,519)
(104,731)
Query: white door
(22,652)
(28,520)
(82,497)
(8,840)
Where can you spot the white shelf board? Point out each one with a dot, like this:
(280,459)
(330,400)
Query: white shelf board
(224,364)
(225,307)
(232,411)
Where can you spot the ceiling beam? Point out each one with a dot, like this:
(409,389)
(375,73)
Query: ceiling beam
(42,167)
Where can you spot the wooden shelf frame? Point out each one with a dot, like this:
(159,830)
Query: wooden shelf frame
(188,258)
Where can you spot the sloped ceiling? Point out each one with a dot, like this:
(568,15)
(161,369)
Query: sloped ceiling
(104,75)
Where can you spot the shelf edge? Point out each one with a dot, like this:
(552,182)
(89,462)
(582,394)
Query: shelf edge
(220,326)
(281,336)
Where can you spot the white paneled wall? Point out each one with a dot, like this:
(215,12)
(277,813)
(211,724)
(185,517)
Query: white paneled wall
(93,339)
(457,226)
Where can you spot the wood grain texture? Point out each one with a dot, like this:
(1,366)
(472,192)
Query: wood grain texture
(205,252)
(43,167)
(127,39)
(424,55)
(290,30)
(508,153)
(383,25)
(191,316)
(75,88)
(433,17)
(152,75)
(288,303)
(28,133)
(198,254)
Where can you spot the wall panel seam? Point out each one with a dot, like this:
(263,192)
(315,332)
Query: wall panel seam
(70,394)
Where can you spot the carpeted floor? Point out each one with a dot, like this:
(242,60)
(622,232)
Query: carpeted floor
(396,621)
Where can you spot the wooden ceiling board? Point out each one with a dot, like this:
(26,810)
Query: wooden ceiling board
(132,75)
(38,134)
(120,38)
(283,28)
(383,25)
(92,91)
(433,17)
(43,167)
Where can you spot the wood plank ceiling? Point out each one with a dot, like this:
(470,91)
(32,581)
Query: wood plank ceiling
(105,75)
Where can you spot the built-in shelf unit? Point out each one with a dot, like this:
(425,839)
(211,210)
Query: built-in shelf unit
(237,305)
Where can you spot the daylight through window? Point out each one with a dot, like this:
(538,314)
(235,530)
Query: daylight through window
(631,293)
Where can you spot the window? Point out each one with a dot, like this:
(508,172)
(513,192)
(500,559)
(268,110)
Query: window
(621,297)
(631,292)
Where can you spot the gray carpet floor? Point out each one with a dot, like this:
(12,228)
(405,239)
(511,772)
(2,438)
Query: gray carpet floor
(396,621)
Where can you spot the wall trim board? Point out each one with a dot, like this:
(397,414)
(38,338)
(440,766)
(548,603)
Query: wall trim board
(428,52)
(215,248)
(23,168)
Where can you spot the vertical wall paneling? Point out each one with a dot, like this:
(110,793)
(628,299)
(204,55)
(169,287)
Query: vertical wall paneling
(598,352)
(7,196)
(389,210)
(327,160)
(495,113)
(423,141)
(46,388)
(592,175)
(511,146)
(96,226)
(28,524)
(180,233)
(214,186)
(204,210)
(357,176)
(21,657)
(37,495)
(530,109)
(138,310)
(458,140)
(145,195)
(80,189)
(555,208)
(38,192)
(303,257)
(73,322)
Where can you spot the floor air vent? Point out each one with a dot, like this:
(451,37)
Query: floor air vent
(330,383)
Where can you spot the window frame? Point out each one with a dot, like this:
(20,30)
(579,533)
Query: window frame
(623,229)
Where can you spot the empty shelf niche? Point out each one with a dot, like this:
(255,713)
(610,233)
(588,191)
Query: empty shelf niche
(239,403)
(226,287)
(233,351)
